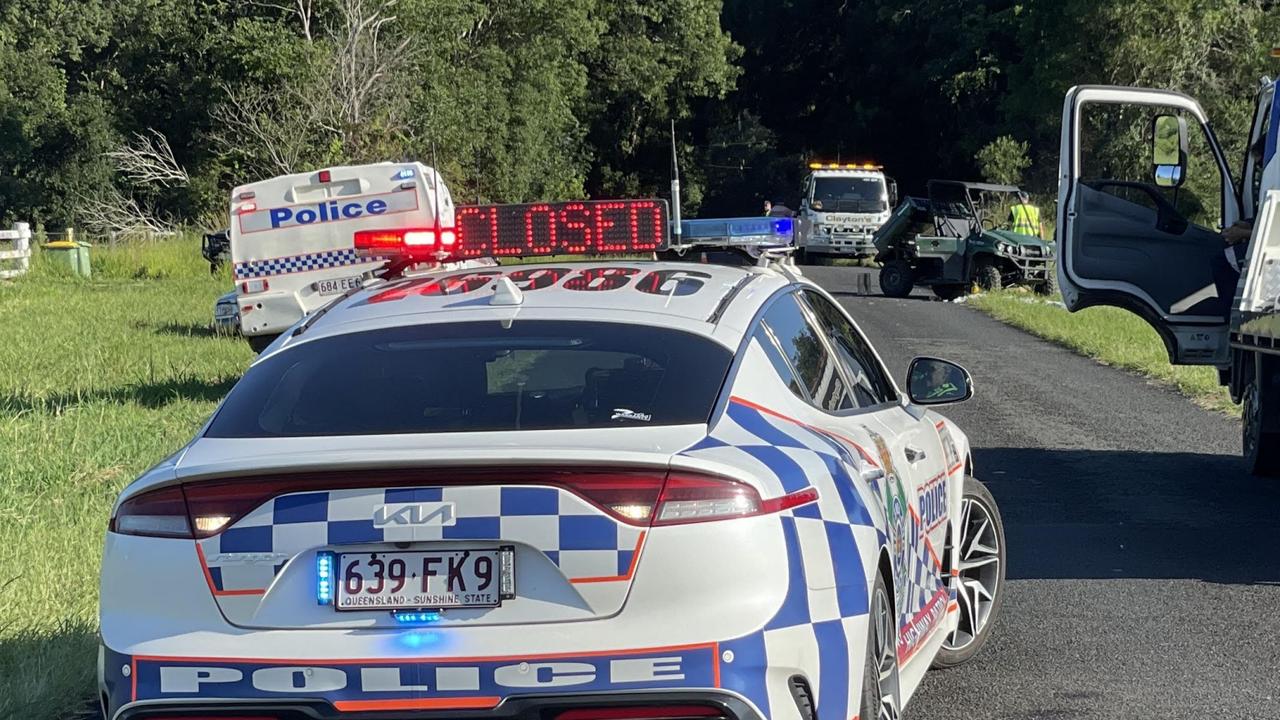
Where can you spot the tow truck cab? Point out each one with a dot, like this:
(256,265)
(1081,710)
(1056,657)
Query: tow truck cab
(841,207)
(291,236)
(1131,243)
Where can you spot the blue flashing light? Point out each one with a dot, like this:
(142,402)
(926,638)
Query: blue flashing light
(415,618)
(782,226)
(405,174)
(324,578)
(414,640)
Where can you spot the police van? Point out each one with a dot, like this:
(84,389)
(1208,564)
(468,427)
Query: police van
(291,236)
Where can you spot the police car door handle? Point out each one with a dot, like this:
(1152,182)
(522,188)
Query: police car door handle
(871,474)
(914,454)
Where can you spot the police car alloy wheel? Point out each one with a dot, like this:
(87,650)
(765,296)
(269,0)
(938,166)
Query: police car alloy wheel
(978,576)
(880,689)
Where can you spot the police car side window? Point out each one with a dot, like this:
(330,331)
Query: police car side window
(870,384)
(808,357)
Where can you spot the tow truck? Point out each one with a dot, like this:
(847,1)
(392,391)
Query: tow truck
(841,207)
(1124,244)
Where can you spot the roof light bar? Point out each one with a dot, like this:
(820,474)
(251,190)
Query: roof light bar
(845,166)
(406,173)
(325,176)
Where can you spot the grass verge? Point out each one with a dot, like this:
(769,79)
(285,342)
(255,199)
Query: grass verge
(99,379)
(1110,336)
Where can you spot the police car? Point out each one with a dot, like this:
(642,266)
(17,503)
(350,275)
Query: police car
(618,490)
(291,238)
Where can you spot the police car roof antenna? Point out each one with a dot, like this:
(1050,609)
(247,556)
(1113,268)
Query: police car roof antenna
(675,190)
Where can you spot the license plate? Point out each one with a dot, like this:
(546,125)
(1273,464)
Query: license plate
(337,286)
(224,311)
(430,580)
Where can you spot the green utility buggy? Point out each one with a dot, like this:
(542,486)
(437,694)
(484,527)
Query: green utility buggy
(954,240)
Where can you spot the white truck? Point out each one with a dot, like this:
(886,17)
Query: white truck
(292,237)
(841,207)
(1123,243)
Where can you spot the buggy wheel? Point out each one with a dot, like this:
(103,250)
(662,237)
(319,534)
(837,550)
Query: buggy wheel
(987,275)
(896,279)
(1050,285)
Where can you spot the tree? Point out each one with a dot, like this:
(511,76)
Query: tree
(1003,160)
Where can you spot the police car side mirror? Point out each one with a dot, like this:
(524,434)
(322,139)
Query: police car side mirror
(933,381)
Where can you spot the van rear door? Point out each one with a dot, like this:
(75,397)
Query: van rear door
(292,236)
(1125,243)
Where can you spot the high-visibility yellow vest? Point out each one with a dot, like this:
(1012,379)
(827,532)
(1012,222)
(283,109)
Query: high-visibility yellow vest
(1026,219)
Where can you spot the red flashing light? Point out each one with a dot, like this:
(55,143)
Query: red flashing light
(325,176)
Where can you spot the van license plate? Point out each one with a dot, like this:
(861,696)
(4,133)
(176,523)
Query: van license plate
(337,286)
(425,580)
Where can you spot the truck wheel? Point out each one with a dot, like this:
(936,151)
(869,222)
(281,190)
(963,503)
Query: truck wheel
(987,276)
(896,279)
(1261,447)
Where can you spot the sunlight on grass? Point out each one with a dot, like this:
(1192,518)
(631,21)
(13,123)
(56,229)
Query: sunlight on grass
(1111,336)
(99,379)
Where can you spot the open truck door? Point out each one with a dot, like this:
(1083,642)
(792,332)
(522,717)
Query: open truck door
(1126,243)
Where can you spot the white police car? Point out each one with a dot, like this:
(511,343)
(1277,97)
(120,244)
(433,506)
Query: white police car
(618,490)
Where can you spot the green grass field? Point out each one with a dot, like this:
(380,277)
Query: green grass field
(99,379)
(1111,336)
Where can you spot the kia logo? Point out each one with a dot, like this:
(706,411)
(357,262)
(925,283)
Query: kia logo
(405,514)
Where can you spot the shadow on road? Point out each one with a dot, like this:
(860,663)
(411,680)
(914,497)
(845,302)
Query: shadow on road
(1126,514)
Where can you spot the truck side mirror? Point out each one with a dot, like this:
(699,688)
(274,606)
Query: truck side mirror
(816,204)
(1168,150)
(893,193)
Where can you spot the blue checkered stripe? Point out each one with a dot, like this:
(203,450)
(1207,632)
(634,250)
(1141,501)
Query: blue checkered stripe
(827,597)
(578,537)
(299,263)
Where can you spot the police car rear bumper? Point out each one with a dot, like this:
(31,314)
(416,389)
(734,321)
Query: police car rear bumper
(668,705)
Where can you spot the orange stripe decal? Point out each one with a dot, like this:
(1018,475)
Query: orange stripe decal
(461,703)
(208,578)
(631,569)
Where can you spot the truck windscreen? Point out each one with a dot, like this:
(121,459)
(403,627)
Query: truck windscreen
(850,194)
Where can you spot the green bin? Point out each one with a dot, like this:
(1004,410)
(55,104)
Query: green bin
(71,254)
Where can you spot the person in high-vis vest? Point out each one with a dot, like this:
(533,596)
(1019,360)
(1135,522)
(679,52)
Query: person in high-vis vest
(1025,217)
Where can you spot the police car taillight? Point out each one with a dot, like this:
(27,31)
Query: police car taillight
(698,498)
(159,513)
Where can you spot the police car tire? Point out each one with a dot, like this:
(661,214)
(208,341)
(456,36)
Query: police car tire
(871,685)
(987,276)
(896,279)
(978,493)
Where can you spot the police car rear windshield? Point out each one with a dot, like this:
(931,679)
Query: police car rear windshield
(474,377)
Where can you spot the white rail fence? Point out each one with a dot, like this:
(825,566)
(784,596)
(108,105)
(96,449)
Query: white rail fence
(15,251)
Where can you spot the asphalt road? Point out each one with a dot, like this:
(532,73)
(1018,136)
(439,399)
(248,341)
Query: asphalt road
(1143,563)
